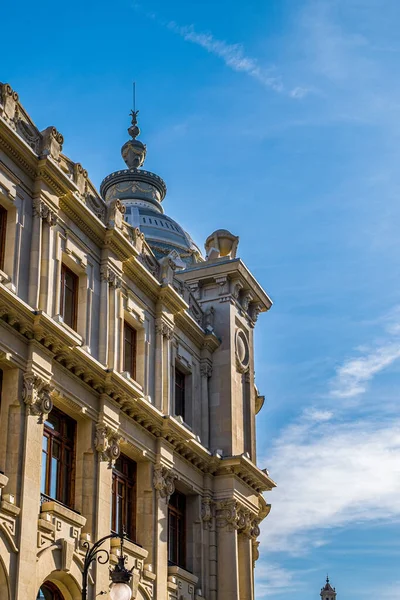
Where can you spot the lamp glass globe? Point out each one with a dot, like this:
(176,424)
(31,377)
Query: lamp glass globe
(120,591)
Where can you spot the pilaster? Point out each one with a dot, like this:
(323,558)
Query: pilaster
(164,485)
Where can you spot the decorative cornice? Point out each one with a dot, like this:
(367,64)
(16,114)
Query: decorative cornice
(36,394)
(164,482)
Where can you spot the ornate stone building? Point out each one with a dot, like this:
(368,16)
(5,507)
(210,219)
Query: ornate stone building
(328,592)
(126,382)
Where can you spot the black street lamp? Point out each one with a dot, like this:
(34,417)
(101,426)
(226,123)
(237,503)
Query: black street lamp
(120,576)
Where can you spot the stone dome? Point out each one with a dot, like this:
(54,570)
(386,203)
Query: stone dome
(142,192)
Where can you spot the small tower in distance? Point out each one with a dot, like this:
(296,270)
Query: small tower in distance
(328,592)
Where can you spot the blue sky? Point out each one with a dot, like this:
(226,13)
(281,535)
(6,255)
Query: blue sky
(278,120)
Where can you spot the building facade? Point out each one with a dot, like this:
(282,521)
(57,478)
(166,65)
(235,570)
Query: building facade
(127,384)
(328,592)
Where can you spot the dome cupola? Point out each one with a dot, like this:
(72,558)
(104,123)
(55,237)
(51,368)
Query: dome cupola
(142,192)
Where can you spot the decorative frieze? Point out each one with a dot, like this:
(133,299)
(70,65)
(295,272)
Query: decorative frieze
(107,443)
(37,395)
(164,481)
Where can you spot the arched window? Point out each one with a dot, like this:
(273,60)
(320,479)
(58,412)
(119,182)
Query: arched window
(49,591)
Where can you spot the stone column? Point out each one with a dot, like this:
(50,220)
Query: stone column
(164,332)
(163,481)
(245,527)
(49,219)
(114,284)
(103,322)
(228,568)
(145,511)
(206,372)
(36,396)
(35,255)
(158,366)
(208,562)
(107,445)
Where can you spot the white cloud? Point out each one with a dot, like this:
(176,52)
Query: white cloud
(273,579)
(232,54)
(331,474)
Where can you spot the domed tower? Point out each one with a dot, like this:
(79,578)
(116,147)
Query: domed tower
(328,592)
(142,193)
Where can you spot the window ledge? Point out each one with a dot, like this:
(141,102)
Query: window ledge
(4,278)
(180,573)
(66,514)
(131,548)
(78,338)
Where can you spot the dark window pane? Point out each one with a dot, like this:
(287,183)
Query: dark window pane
(69,296)
(176,529)
(180,393)
(123,496)
(130,350)
(58,457)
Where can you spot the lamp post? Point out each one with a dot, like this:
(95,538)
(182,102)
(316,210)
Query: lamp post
(120,576)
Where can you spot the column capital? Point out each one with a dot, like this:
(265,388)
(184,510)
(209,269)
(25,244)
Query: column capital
(43,211)
(110,276)
(164,328)
(107,443)
(207,511)
(164,482)
(36,394)
(206,368)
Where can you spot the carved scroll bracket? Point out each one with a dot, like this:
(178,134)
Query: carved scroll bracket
(44,212)
(164,482)
(107,443)
(37,395)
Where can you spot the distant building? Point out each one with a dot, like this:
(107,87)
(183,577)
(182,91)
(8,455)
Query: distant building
(328,592)
(127,390)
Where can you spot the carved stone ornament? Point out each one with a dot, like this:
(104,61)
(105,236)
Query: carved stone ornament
(242,351)
(254,310)
(205,369)
(246,299)
(256,552)
(165,329)
(227,514)
(164,481)
(112,278)
(52,142)
(37,395)
(107,443)
(115,216)
(206,512)
(208,319)
(40,209)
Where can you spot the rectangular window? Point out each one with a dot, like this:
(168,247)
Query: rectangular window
(177,530)
(180,380)
(130,337)
(123,497)
(58,458)
(3,224)
(69,296)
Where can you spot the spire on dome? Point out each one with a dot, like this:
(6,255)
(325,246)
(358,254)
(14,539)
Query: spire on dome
(134,151)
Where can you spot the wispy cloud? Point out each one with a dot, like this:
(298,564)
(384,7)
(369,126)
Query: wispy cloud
(322,468)
(353,376)
(233,56)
